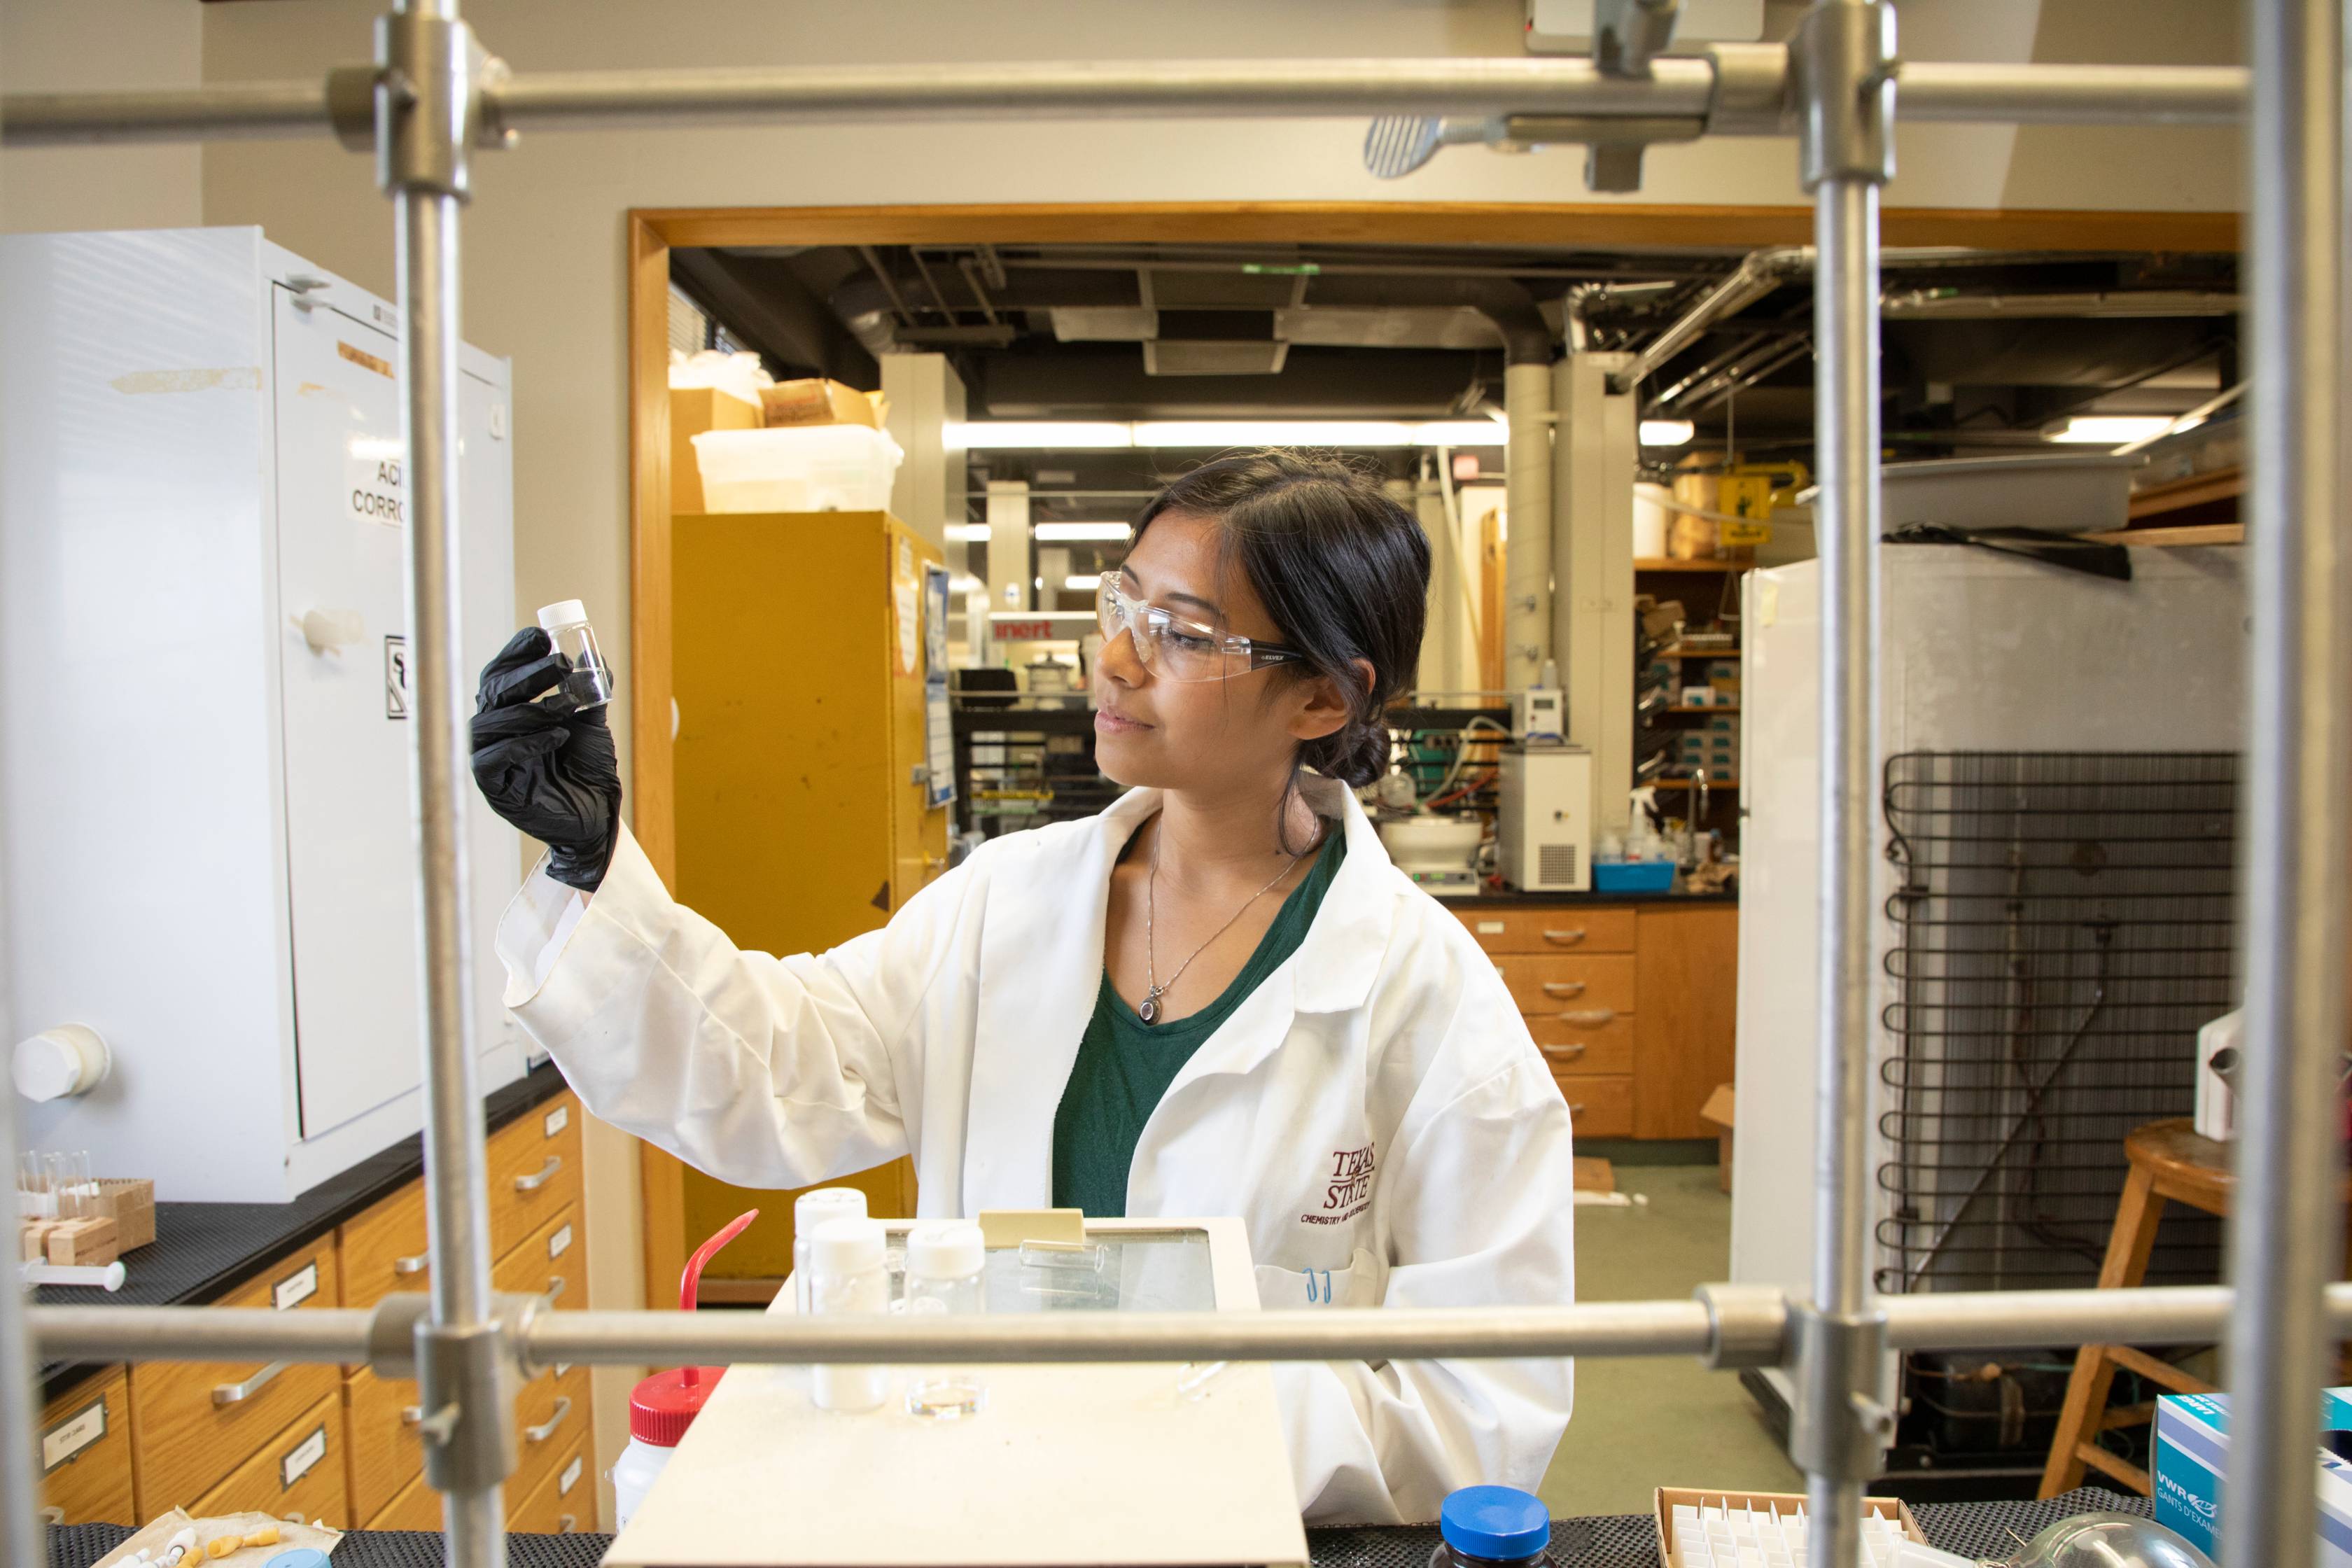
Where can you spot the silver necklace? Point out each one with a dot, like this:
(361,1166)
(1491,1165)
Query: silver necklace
(1150,1010)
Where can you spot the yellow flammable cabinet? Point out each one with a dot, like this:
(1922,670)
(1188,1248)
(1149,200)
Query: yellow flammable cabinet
(802,795)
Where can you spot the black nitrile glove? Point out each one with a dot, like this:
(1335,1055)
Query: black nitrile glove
(547,768)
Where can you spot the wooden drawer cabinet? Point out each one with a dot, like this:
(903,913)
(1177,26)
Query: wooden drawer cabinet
(1580,1049)
(1560,928)
(384,1250)
(552,1420)
(552,1261)
(534,1165)
(415,1507)
(86,1454)
(1599,1107)
(192,1422)
(383,1454)
(563,1502)
(298,1474)
(1589,991)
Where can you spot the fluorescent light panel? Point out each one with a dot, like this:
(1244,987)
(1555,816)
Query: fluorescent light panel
(1667,432)
(2113,429)
(1038,435)
(1083,582)
(968,533)
(1077,531)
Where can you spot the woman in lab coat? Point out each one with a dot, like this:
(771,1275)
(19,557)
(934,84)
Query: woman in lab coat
(1217,998)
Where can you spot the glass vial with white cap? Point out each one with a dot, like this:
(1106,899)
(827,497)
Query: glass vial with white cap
(810,1211)
(845,1261)
(589,682)
(944,1258)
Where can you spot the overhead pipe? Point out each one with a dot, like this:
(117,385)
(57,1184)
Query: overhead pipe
(1758,273)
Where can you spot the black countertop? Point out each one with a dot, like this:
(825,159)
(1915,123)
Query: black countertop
(203,1251)
(1612,1541)
(1510,900)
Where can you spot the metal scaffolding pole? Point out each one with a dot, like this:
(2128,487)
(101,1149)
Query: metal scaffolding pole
(1842,57)
(2286,1230)
(20,1469)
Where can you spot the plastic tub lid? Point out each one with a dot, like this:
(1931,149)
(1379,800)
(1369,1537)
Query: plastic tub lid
(297,1557)
(945,1249)
(564,613)
(847,1245)
(1503,1523)
(661,1407)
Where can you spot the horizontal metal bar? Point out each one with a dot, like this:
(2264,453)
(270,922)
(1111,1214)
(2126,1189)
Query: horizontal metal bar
(2017,1319)
(2071,94)
(248,112)
(198,1333)
(1681,87)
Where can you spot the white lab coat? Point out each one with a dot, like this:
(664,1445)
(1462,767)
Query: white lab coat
(1375,1111)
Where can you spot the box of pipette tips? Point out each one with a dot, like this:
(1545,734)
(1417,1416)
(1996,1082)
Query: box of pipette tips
(2192,1448)
(1736,1517)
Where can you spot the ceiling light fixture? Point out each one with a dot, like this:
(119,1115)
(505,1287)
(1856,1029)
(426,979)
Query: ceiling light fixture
(2113,429)
(1100,532)
(968,533)
(1667,432)
(1083,582)
(1043,435)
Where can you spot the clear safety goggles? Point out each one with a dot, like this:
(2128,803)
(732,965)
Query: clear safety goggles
(1174,648)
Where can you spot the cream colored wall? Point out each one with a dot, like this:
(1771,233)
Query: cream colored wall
(543,240)
(65,46)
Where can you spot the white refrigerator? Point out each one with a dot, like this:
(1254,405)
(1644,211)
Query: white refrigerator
(207,827)
(1981,652)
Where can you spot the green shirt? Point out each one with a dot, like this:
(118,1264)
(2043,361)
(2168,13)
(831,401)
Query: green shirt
(1126,1065)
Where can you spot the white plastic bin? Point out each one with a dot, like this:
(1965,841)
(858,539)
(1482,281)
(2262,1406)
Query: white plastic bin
(801,468)
(2056,492)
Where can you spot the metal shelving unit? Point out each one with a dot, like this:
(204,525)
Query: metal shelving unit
(433,98)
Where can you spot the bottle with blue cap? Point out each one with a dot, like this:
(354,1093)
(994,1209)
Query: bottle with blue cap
(1483,1527)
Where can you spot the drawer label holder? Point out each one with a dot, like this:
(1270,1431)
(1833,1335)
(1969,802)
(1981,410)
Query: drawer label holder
(301,1458)
(62,1443)
(560,1242)
(571,1475)
(296,1288)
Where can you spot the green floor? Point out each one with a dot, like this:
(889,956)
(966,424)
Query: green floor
(1644,1423)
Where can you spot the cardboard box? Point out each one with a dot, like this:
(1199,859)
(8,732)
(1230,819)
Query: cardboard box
(1718,1111)
(2192,1448)
(692,411)
(820,402)
(1668,1497)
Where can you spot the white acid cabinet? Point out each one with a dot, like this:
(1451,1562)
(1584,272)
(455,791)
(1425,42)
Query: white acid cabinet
(206,824)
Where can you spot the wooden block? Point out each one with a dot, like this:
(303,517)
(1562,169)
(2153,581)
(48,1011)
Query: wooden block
(130,1204)
(84,1242)
(33,1240)
(1010,1228)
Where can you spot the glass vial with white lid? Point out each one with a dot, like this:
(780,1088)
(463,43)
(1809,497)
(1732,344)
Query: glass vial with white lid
(847,1276)
(944,1259)
(811,1211)
(588,683)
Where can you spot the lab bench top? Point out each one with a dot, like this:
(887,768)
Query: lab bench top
(203,1251)
(1510,900)
(1614,1541)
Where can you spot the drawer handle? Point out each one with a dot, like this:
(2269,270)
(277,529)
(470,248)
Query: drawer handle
(417,1265)
(53,1515)
(1563,987)
(566,1524)
(1562,1053)
(1565,938)
(546,1429)
(546,1174)
(238,1392)
(1575,1109)
(554,1286)
(412,1415)
(1589,1017)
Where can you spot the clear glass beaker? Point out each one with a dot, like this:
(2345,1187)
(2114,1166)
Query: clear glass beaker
(944,1260)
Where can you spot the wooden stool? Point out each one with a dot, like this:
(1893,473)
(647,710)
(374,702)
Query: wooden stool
(2169,1163)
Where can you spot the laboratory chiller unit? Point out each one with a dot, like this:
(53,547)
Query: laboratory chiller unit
(2052,837)
(1543,821)
(206,822)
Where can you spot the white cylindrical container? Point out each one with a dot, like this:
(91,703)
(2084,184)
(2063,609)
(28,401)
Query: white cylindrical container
(944,1258)
(810,1211)
(661,1408)
(846,1275)
(589,682)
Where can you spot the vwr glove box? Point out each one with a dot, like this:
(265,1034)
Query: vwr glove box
(205,818)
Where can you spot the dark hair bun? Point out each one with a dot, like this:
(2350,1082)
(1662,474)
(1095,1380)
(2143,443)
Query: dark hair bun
(1355,754)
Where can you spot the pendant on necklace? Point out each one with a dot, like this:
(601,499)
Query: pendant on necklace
(1151,1008)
